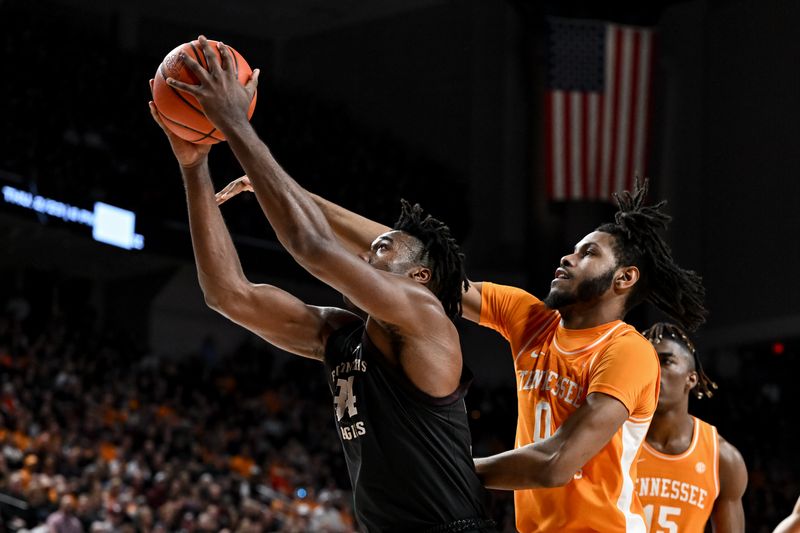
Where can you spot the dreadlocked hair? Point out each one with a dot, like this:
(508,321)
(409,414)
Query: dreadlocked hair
(659,331)
(677,292)
(440,252)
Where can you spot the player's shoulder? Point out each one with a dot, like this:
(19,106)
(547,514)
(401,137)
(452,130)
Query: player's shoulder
(630,333)
(732,470)
(510,292)
(515,305)
(627,340)
(729,453)
(628,349)
(343,329)
(706,428)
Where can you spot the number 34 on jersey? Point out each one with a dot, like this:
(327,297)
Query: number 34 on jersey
(345,402)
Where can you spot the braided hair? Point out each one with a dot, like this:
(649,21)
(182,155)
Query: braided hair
(657,332)
(440,252)
(676,291)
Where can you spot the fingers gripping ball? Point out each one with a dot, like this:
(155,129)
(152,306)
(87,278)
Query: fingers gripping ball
(180,111)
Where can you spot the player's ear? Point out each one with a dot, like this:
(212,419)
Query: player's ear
(421,274)
(626,277)
(691,380)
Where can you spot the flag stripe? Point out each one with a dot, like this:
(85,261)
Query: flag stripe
(558,144)
(565,139)
(587,149)
(599,106)
(623,110)
(610,112)
(646,80)
(576,120)
(549,145)
(635,98)
(614,117)
(643,105)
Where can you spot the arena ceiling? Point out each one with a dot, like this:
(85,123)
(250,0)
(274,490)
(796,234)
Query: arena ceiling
(275,19)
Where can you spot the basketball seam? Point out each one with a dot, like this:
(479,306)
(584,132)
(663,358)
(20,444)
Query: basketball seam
(182,125)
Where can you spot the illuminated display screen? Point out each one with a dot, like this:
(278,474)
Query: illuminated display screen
(110,224)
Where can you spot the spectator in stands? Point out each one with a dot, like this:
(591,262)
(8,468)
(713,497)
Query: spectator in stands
(64,520)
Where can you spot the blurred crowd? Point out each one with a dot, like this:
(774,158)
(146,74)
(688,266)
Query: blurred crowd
(94,433)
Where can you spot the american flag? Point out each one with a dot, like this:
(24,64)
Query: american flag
(597,107)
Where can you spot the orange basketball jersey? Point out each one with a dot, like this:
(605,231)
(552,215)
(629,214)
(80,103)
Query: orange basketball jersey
(556,369)
(678,491)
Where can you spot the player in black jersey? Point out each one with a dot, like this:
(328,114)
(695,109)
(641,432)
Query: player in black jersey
(397,377)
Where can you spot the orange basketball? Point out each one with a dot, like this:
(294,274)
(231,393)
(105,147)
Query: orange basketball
(180,111)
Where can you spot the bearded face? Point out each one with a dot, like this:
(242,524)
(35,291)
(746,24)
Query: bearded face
(585,290)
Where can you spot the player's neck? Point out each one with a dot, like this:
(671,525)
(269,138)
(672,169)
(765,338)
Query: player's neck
(579,316)
(671,430)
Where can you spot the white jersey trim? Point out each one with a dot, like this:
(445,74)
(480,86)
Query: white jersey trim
(715,439)
(668,457)
(599,340)
(633,434)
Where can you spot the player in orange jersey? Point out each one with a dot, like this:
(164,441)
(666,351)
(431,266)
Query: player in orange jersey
(790,524)
(587,383)
(687,472)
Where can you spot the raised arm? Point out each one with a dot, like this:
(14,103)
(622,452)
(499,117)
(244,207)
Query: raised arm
(267,311)
(298,222)
(356,233)
(728,513)
(553,462)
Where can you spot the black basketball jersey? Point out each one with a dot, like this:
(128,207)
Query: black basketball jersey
(408,453)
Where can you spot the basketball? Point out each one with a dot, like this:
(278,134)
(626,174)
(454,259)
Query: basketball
(180,111)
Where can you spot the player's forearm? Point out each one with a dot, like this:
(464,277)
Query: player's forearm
(298,222)
(355,232)
(218,268)
(528,467)
(728,517)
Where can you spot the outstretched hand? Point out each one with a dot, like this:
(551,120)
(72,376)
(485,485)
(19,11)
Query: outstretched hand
(225,101)
(188,154)
(233,188)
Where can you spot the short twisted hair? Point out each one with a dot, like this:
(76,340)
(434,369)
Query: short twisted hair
(440,252)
